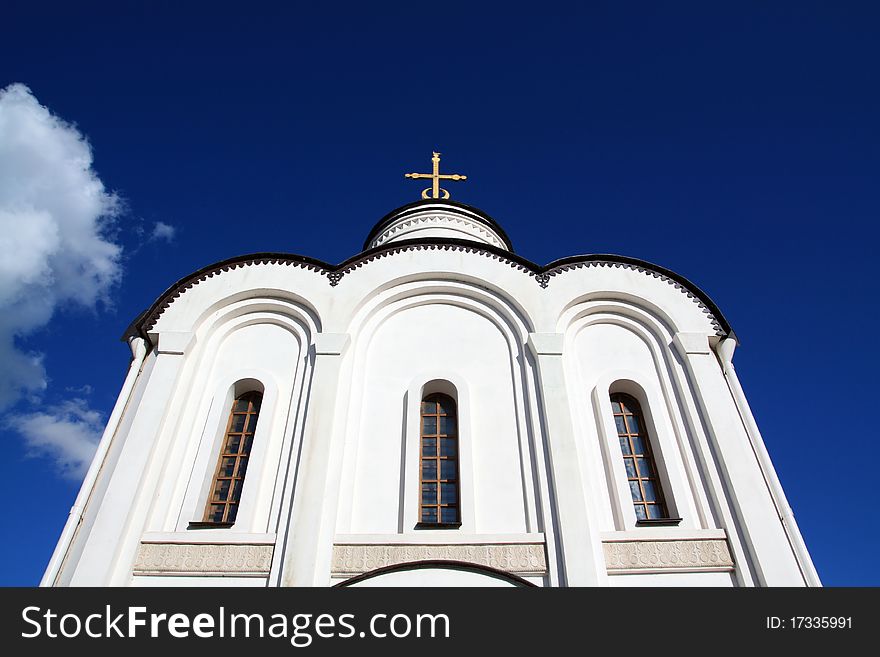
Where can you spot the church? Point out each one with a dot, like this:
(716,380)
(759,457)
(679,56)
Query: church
(434,411)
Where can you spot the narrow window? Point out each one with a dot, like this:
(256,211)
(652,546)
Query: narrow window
(222,507)
(438,462)
(641,471)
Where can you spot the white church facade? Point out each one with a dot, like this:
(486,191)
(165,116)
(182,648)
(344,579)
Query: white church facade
(436,410)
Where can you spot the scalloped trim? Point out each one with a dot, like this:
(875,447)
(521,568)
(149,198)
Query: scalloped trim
(334,276)
(150,320)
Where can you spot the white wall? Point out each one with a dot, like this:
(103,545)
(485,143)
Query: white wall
(673,579)
(438,340)
(438,576)
(151,581)
(611,357)
(252,348)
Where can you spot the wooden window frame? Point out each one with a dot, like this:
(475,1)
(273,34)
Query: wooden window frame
(237,445)
(438,458)
(630,408)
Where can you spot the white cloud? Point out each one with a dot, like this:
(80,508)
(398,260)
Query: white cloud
(163,231)
(67,434)
(55,214)
(85,389)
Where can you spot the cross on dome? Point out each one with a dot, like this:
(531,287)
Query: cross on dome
(435,190)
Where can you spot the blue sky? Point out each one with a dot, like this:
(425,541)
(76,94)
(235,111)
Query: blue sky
(734,143)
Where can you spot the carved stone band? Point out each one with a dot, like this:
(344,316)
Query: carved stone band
(518,558)
(203,559)
(694,554)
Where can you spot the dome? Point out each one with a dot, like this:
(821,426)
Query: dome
(436,218)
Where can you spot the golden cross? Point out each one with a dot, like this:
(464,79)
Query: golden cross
(435,190)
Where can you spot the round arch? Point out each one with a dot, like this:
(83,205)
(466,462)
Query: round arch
(440,564)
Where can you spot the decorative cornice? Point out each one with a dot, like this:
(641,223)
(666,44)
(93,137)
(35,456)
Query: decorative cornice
(465,246)
(692,554)
(334,273)
(435,219)
(517,558)
(446,206)
(203,559)
(149,318)
(555,271)
(541,276)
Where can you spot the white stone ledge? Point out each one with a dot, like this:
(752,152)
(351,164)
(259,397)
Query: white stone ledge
(663,534)
(143,577)
(668,571)
(213,536)
(437,537)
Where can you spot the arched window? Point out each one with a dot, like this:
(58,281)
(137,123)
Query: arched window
(222,507)
(641,471)
(438,462)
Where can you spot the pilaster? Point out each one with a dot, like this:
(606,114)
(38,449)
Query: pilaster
(114,536)
(749,492)
(308,546)
(583,562)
